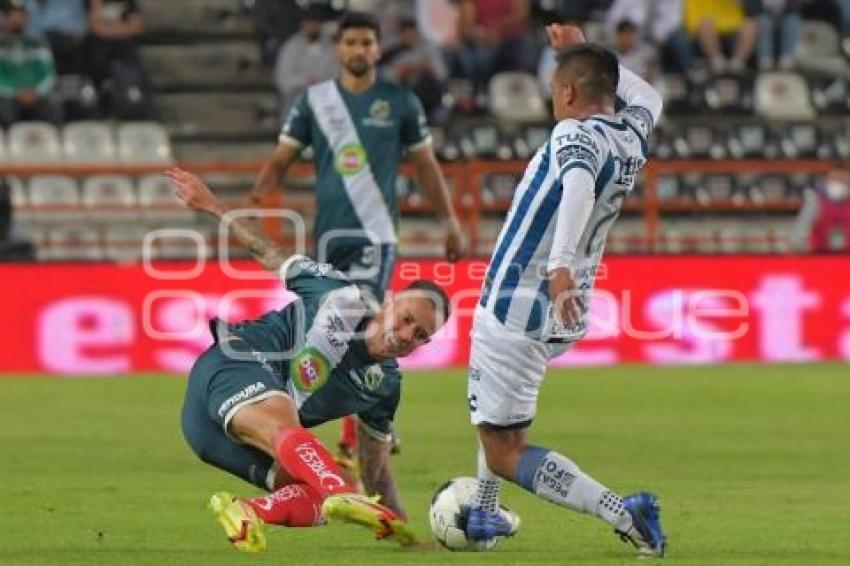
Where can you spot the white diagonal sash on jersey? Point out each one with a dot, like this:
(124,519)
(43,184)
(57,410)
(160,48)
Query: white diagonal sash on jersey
(335,122)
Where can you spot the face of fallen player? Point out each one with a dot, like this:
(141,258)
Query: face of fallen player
(358,50)
(402,325)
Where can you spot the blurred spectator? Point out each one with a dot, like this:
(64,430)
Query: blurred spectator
(657,21)
(114,60)
(561,11)
(418,64)
(719,23)
(634,53)
(823,224)
(495,36)
(12,246)
(275,21)
(439,22)
(63,23)
(27,73)
(782,16)
(306,58)
(390,13)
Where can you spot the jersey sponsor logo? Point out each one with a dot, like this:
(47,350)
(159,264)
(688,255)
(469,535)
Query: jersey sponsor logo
(247,393)
(380,109)
(309,369)
(350,159)
(334,327)
(577,137)
(570,152)
(379,114)
(627,169)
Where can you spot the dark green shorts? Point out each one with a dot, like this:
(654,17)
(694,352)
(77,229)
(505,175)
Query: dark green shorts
(369,266)
(218,385)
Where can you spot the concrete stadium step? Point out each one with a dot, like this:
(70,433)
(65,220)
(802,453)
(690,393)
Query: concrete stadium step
(224,65)
(250,114)
(208,17)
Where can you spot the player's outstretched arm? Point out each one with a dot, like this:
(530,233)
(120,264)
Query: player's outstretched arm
(268,180)
(197,195)
(431,178)
(376,473)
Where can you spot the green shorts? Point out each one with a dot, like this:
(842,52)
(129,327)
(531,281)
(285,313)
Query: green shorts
(369,266)
(218,386)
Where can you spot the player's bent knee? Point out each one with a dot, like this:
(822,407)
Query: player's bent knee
(259,424)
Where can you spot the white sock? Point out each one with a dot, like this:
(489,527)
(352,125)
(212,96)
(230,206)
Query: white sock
(558,479)
(489,484)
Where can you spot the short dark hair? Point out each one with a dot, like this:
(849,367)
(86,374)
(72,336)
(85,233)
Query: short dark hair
(350,20)
(626,25)
(596,66)
(435,294)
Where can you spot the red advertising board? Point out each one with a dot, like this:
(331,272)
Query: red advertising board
(92,318)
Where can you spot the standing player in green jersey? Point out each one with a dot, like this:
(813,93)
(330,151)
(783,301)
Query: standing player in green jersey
(360,128)
(252,395)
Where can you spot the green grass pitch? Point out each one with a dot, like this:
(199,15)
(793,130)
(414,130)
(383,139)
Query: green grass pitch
(751,463)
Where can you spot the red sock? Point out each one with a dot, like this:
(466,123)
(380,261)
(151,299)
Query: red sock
(348,438)
(293,505)
(305,458)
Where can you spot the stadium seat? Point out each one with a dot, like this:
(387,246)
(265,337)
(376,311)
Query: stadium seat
(417,237)
(110,197)
(831,96)
(144,142)
(34,142)
(679,97)
(88,142)
(729,94)
(497,187)
(820,48)
(669,187)
(783,96)
(514,97)
(158,202)
(769,188)
(174,246)
(73,243)
(124,243)
(800,141)
(54,198)
(18,198)
(700,141)
(752,140)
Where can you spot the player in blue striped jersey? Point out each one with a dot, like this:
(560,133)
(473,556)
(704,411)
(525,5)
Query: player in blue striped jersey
(537,289)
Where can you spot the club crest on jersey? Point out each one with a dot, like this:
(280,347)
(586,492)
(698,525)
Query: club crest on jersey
(373,378)
(350,159)
(309,370)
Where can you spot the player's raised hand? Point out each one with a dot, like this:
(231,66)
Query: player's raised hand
(563,36)
(192,191)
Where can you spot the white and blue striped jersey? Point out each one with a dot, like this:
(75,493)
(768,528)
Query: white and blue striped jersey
(569,196)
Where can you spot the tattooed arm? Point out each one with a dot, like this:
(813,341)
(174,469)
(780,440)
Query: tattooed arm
(376,473)
(197,195)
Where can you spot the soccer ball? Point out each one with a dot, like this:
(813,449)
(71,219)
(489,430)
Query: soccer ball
(449,512)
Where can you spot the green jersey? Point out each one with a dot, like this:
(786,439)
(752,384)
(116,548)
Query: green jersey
(358,140)
(315,347)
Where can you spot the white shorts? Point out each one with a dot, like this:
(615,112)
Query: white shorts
(506,369)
